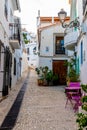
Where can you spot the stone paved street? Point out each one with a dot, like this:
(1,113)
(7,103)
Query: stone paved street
(43,108)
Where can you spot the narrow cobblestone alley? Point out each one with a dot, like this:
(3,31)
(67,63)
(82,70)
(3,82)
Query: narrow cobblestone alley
(43,108)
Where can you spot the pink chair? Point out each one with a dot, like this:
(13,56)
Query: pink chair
(77,99)
(74,84)
(73,96)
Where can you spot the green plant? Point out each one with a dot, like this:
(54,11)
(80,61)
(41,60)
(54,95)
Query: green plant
(49,76)
(82,117)
(37,70)
(25,38)
(84,87)
(42,72)
(45,71)
(55,79)
(72,75)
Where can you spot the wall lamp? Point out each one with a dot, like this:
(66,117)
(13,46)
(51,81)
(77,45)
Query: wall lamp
(62,16)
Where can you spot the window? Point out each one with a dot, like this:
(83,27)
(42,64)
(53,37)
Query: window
(14,66)
(6,9)
(28,51)
(28,58)
(34,50)
(84,5)
(81,52)
(59,45)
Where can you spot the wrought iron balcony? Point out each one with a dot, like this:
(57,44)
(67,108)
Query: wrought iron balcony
(60,51)
(71,38)
(14,37)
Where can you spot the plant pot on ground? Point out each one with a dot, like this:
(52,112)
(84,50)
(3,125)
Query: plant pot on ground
(72,75)
(45,70)
(40,76)
(40,81)
(41,72)
(52,78)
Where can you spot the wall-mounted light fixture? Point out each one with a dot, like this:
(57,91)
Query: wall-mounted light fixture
(62,16)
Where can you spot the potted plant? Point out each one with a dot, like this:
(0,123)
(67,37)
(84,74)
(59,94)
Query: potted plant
(82,116)
(49,77)
(46,76)
(40,78)
(72,75)
(55,79)
(45,70)
(42,73)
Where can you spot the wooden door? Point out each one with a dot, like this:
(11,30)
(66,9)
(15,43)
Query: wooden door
(60,70)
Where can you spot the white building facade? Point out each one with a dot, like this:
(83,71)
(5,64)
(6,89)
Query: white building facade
(76,38)
(10,45)
(32,54)
(82,41)
(51,46)
(31,49)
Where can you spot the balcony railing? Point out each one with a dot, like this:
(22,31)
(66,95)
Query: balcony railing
(14,32)
(70,38)
(60,51)
(14,36)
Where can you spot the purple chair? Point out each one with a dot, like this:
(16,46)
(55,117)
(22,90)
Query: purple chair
(74,84)
(73,96)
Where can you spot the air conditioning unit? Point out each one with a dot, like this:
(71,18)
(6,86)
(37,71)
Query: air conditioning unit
(84,28)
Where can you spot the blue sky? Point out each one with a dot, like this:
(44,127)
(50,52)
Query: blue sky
(29,10)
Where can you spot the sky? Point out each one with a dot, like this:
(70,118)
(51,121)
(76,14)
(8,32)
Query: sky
(29,11)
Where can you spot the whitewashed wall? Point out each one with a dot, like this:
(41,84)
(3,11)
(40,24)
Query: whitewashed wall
(80,10)
(47,40)
(47,46)
(44,61)
(33,58)
(2,17)
(24,62)
(83,67)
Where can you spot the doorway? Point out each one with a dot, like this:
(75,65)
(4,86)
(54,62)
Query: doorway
(61,70)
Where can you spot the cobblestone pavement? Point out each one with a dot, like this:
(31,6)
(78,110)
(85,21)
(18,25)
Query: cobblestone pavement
(6,104)
(43,108)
